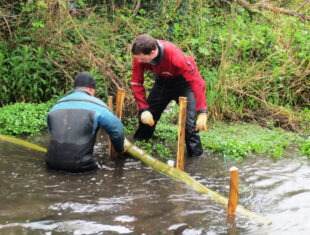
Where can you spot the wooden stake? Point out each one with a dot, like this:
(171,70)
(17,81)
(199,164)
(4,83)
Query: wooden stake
(119,103)
(111,150)
(181,132)
(231,224)
(118,112)
(234,190)
(110,103)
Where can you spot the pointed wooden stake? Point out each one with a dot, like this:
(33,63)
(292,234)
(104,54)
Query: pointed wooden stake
(234,190)
(181,132)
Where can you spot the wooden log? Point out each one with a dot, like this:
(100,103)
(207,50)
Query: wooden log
(161,167)
(22,143)
(111,150)
(234,190)
(181,132)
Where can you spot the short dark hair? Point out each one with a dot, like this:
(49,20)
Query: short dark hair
(84,79)
(143,44)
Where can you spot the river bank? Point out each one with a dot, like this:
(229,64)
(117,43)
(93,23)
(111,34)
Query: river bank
(235,140)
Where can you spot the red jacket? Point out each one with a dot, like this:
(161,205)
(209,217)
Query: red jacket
(173,64)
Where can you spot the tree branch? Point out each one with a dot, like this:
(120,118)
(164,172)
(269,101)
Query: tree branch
(61,68)
(268,6)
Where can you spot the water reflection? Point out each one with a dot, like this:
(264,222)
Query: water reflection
(127,197)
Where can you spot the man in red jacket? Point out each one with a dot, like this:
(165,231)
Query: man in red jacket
(176,75)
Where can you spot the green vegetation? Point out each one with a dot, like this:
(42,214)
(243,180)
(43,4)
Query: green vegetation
(232,140)
(27,76)
(24,119)
(256,66)
(305,147)
(238,140)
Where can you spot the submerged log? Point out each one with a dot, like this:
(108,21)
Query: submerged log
(22,143)
(161,167)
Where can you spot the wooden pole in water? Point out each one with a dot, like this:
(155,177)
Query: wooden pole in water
(181,132)
(111,150)
(234,190)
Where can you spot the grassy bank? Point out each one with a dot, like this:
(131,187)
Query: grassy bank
(235,140)
(230,139)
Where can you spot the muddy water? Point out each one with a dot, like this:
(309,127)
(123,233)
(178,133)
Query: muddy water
(127,197)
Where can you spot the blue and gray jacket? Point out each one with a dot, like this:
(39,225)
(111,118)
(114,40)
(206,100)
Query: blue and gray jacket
(73,123)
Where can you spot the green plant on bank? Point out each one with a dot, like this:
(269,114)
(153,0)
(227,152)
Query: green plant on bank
(156,148)
(24,118)
(26,75)
(161,144)
(231,140)
(245,139)
(130,125)
(305,147)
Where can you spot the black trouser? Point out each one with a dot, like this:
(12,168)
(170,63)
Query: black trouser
(162,92)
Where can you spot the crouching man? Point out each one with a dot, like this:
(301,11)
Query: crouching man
(73,123)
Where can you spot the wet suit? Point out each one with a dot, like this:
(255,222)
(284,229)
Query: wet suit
(73,123)
(176,75)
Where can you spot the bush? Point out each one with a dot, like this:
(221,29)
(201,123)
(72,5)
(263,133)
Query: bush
(26,75)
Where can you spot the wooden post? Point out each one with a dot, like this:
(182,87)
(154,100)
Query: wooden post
(181,132)
(111,150)
(110,103)
(231,224)
(118,112)
(119,103)
(234,190)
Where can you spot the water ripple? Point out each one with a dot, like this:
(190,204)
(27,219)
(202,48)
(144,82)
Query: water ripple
(76,227)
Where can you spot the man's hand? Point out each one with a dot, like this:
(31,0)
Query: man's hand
(147,118)
(201,123)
